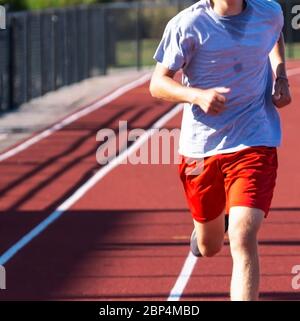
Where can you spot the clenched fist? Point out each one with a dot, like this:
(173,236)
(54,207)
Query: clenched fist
(282,95)
(211,101)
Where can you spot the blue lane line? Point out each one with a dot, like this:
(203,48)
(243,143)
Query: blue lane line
(6,256)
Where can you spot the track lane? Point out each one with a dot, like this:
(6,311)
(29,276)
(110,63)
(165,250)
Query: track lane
(37,180)
(42,267)
(120,248)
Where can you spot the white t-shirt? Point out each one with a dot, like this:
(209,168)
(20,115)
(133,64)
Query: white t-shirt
(233,52)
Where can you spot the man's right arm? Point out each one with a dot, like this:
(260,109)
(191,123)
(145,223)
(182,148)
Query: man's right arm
(163,86)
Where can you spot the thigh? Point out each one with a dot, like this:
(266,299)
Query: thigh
(250,178)
(203,183)
(244,224)
(246,219)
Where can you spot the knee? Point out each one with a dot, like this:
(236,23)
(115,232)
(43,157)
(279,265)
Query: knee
(209,249)
(243,228)
(241,241)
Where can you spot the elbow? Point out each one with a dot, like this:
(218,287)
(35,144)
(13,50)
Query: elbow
(153,88)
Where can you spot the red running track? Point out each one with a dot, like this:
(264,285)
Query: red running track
(128,236)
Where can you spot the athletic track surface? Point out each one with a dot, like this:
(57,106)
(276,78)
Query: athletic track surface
(71,229)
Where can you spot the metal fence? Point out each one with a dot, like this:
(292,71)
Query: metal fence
(42,51)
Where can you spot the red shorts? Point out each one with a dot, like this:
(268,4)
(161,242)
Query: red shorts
(244,178)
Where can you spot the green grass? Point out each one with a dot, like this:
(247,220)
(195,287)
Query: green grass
(126,55)
(293,50)
(149,48)
(42,4)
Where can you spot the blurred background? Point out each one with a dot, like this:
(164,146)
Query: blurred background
(53,43)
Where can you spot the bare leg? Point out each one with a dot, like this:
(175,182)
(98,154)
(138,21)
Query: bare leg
(244,223)
(210,236)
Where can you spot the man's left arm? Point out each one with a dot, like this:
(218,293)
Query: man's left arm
(282,95)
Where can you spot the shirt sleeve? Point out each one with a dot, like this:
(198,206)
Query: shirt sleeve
(176,48)
(276,20)
(280,20)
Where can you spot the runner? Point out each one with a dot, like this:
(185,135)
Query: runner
(230,127)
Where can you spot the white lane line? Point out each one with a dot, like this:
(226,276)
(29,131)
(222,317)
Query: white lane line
(26,239)
(191,261)
(189,264)
(83,112)
(73,117)
(183,278)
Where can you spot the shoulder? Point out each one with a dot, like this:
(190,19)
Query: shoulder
(185,20)
(271,12)
(272,6)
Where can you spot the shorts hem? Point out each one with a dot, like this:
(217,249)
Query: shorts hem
(250,205)
(204,220)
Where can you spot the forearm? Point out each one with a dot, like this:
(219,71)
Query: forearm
(277,57)
(163,86)
(166,88)
(281,95)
